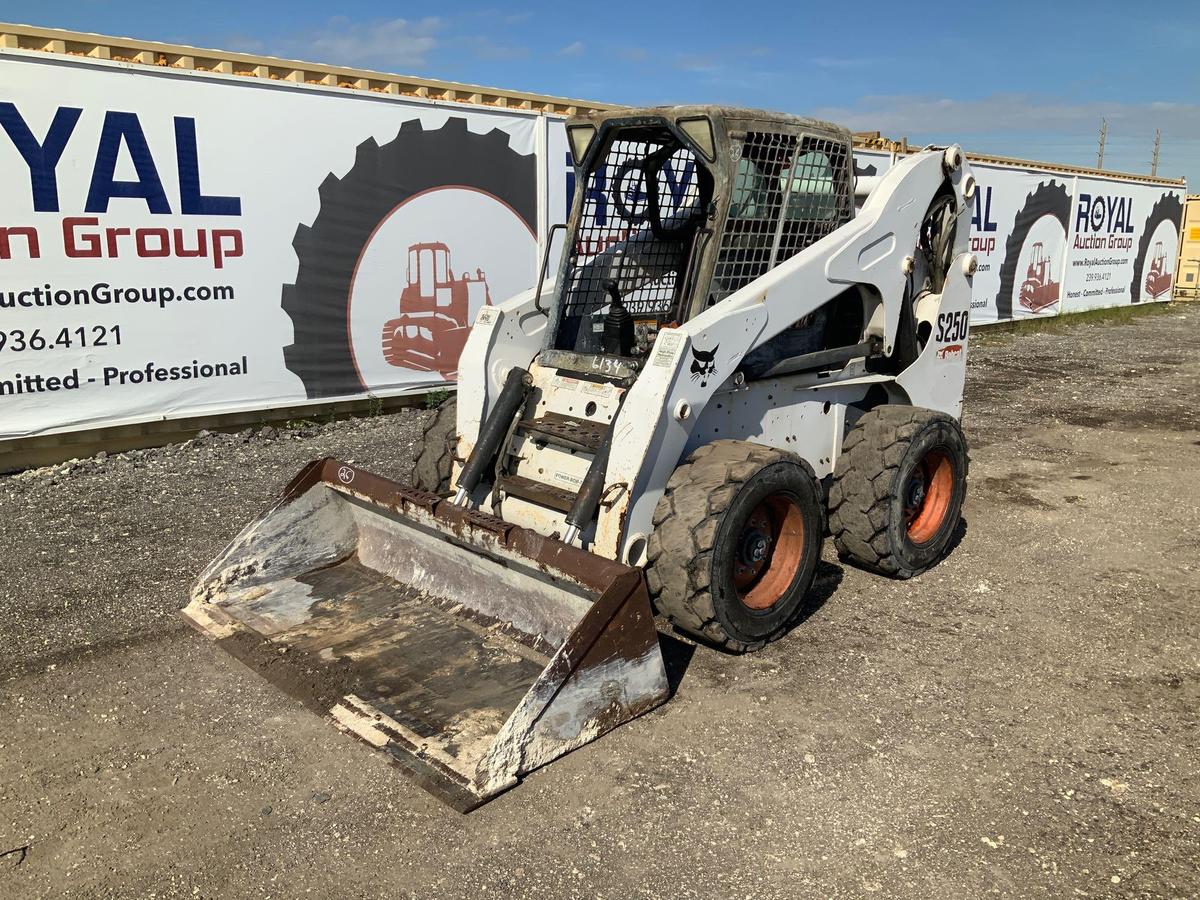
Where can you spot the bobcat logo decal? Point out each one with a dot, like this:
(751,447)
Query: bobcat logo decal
(704,364)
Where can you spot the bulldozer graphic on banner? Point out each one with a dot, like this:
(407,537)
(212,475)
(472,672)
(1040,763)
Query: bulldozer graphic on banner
(1158,279)
(436,312)
(1039,290)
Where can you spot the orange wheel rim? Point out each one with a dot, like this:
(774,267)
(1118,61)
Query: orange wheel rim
(927,496)
(768,552)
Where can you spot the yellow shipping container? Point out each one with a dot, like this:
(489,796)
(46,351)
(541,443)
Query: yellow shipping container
(1187,281)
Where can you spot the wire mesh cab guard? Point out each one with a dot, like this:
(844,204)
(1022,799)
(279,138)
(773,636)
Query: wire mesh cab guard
(641,202)
(675,223)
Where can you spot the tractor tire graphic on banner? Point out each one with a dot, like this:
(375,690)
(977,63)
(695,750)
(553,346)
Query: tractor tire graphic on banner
(1033,287)
(353,208)
(1151,282)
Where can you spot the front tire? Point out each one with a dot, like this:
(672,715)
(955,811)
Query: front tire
(431,472)
(736,542)
(898,490)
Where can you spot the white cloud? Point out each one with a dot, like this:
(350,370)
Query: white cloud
(575,48)
(1037,127)
(633,54)
(482,47)
(908,114)
(396,44)
(698,63)
(843,62)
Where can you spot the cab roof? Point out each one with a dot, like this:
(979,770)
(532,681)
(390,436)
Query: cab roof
(727,118)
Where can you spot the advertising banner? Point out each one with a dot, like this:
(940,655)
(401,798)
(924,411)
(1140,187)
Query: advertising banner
(871,163)
(1019,234)
(1050,243)
(173,243)
(1123,245)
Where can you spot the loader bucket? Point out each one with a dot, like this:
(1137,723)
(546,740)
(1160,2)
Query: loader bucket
(469,650)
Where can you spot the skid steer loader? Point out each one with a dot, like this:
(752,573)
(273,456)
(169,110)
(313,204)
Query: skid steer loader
(731,362)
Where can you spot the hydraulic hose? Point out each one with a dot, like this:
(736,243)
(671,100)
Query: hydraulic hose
(483,457)
(587,501)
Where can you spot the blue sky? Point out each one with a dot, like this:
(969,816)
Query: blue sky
(1016,79)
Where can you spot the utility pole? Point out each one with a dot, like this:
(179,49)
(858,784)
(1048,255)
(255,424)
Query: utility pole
(1103,138)
(1154,159)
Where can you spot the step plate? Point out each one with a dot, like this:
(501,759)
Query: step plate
(567,431)
(536,492)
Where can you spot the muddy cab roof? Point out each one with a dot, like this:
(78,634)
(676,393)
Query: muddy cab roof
(730,119)
(716,131)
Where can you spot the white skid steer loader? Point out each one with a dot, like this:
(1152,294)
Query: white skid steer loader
(730,362)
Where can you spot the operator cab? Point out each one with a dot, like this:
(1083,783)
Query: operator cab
(675,209)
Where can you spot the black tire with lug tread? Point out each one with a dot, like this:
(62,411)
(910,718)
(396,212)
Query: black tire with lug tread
(729,496)
(431,471)
(898,489)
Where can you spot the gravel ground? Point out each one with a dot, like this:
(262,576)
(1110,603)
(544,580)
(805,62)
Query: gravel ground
(1021,720)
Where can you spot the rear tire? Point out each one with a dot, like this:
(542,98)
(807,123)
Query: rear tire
(431,472)
(737,537)
(898,490)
